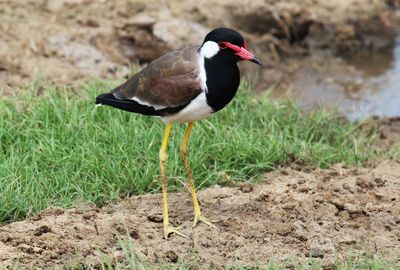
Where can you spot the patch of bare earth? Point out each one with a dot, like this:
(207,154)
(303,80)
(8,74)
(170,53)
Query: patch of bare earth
(388,130)
(65,41)
(319,213)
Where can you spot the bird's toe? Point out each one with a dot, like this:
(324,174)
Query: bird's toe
(200,218)
(169,229)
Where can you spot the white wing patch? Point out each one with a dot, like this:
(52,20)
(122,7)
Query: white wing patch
(197,109)
(141,102)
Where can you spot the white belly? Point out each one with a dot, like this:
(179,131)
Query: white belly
(197,109)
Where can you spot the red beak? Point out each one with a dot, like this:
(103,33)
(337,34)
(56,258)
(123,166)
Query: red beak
(243,53)
(246,55)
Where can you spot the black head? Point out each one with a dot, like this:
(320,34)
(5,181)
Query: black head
(227,45)
(225,34)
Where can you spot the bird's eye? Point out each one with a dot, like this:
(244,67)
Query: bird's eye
(222,46)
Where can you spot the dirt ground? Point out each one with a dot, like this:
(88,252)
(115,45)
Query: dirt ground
(388,130)
(296,212)
(66,41)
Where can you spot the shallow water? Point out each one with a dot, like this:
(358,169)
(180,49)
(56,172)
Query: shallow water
(380,92)
(359,86)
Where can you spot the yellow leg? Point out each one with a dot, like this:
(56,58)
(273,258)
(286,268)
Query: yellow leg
(198,217)
(168,229)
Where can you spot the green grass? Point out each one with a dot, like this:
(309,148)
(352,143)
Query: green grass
(57,148)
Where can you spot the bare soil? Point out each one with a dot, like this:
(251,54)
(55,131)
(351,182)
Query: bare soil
(65,41)
(296,212)
(388,130)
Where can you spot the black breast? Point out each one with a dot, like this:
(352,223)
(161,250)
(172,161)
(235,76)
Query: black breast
(223,80)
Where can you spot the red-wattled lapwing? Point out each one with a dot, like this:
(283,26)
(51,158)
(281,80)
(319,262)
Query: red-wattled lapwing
(185,86)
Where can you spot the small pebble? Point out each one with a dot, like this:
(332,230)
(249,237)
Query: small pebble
(157,218)
(315,253)
(171,256)
(41,230)
(246,187)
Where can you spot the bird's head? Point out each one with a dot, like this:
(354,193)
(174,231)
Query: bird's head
(226,45)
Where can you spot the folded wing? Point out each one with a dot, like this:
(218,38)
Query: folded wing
(168,82)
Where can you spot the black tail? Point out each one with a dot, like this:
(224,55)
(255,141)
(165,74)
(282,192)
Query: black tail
(126,105)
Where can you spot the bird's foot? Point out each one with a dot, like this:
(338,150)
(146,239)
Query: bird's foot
(168,229)
(200,218)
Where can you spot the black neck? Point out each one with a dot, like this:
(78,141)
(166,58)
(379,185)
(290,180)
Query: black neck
(223,80)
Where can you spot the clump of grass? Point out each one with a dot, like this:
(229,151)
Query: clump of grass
(394,152)
(57,147)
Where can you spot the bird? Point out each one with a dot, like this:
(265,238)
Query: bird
(184,86)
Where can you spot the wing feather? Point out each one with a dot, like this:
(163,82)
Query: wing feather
(170,81)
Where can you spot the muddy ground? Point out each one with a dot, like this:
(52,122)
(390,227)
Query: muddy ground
(294,213)
(66,41)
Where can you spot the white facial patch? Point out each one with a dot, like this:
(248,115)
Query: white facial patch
(209,49)
(202,73)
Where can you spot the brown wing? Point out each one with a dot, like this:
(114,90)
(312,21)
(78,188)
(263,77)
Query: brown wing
(169,81)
